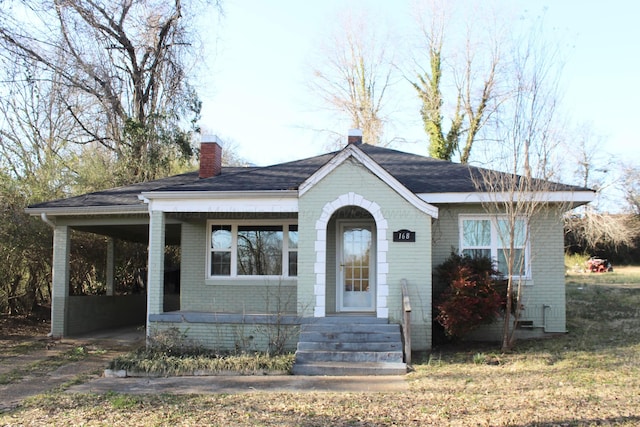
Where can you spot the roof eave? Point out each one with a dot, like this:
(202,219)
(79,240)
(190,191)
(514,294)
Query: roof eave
(574,198)
(272,201)
(88,210)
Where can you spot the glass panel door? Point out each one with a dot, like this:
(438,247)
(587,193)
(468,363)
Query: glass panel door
(355,285)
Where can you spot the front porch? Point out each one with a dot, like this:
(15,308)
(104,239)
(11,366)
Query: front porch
(221,313)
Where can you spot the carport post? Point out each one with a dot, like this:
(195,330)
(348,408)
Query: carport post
(155,267)
(111,251)
(60,280)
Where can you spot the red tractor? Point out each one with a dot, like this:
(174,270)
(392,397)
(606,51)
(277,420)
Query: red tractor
(599,265)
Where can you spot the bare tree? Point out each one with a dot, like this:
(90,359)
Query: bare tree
(592,230)
(516,203)
(125,65)
(353,74)
(460,93)
(591,162)
(590,227)
(631,187)
(517,188)
(32,167)
(34,132)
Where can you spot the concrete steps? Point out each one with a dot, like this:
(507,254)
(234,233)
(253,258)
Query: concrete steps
(349,345)
(335,369)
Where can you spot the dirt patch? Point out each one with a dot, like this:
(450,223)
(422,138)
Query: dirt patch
(32,363)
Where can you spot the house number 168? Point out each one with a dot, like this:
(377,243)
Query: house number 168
(404,236)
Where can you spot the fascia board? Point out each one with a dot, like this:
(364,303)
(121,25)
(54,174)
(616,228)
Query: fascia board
(546,196)
(376,169)
(221,202)
(88,210)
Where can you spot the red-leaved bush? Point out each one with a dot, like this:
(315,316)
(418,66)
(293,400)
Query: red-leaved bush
(471,298)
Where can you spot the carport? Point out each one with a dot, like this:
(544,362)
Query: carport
(119,215)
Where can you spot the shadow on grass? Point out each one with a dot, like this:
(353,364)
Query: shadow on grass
(602,319)
(612,421)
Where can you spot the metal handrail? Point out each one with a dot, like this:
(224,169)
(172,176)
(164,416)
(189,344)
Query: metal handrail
(406,321)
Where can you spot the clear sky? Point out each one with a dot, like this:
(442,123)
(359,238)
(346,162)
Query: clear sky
(257,60)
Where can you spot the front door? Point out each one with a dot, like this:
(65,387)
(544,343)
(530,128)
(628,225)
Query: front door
(356,267)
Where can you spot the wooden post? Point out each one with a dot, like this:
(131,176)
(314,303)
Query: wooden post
(406,326)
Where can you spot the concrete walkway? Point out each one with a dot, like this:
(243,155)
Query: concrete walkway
(228,384)
(244,384)
(31,381)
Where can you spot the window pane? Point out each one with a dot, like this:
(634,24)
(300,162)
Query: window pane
(293,264)
(260,250)
(518,268)
(221,237)
(476,253)
(220,263)
(518,233)
(476,232)
(293,237)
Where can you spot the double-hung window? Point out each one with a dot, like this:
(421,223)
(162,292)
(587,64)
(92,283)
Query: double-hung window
(252,249)
(491,236)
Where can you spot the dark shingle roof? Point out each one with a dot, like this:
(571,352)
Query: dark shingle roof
(427,175)
(422,174)
(283,176)
(126,195)
(418,173)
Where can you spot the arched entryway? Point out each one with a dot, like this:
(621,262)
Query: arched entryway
(351,258)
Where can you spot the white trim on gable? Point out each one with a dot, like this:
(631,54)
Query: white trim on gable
(353,151)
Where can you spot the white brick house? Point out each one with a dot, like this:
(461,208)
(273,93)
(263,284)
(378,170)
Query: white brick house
(328,236)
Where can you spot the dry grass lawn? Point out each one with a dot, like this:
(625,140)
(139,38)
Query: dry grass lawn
(588,377)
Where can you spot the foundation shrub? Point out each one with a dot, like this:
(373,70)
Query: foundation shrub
(471,297)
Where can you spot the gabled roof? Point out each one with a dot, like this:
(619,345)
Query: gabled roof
(353,151)
(423,176)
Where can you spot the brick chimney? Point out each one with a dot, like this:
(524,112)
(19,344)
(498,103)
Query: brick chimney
(355,137)
(210,156)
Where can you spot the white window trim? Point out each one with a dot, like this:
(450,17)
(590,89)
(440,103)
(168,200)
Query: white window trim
(495,238)
(234,250)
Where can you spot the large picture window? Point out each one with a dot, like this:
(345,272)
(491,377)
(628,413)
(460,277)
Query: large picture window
(490,236)
(260,250)
(245,249)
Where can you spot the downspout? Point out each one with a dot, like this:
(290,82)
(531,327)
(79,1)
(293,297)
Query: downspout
(45,218)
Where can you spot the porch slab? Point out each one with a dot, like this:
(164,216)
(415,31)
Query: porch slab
(245,384)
